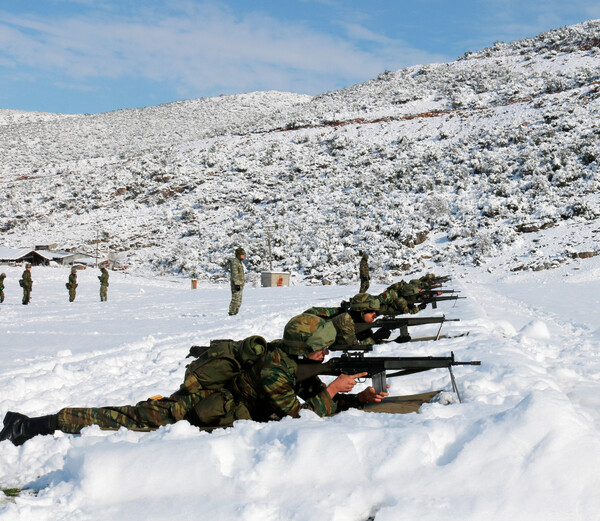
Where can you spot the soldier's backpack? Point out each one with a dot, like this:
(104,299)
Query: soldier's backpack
(207,376)
(221,362)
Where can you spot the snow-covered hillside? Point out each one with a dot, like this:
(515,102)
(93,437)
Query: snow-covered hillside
(453,162)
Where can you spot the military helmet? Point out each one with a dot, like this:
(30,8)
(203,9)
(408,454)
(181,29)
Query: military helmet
(73,269)
(307,333)
(364,302)
(2,275)
(27,265)
(240,251)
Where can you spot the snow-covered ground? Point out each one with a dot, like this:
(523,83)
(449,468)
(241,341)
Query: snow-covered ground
(523,445)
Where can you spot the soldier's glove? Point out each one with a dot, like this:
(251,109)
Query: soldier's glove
(381,334)
(238,287)
(422,305)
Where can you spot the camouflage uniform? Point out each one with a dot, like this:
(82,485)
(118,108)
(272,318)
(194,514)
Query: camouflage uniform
(365,276)
(103,284)
(2,277)
(398,299)
(269,388)
(344,319)
(264,389)
(26,282)
(237,281)
(72,284)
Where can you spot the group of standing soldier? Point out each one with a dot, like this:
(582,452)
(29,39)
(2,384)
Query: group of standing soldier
(26,282)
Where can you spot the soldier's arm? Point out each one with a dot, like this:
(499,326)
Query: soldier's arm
(323,311)
(278,385)
(345,330)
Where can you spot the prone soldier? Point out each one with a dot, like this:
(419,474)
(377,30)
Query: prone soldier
(362,308)
(249,379)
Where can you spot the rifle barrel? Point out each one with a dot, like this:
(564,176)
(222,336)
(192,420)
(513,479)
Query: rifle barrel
(348,364)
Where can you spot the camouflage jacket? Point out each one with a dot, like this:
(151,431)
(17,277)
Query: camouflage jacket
(237,272)
(345,326)
(2,282)
(103,278)
(26,280)
(364,270)
(270,391)
(396,300)
(72,284)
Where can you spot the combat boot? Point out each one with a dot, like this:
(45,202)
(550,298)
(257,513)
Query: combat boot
(19,428)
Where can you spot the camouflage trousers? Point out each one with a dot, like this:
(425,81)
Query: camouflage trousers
(236,301)
(103,293)
(26,296)
(1,296)
(72,294)
(364,285)
(207,409)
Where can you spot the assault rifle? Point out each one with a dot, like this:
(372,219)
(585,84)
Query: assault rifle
(432,282)
(401,323)
(376,367)
(430,297)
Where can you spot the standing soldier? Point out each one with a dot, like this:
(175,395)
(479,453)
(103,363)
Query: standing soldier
(72,284)
(237,280)
(103,284)
(26,283)
(2,277)
(364,274)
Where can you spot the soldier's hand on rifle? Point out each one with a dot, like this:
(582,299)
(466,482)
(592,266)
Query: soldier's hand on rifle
(381,334)
(370,396)
(344,383)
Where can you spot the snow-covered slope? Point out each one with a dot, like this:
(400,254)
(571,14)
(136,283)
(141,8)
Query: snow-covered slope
(453,162)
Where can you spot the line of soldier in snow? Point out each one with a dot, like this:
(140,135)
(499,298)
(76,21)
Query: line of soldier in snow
(26,282)
(253,379)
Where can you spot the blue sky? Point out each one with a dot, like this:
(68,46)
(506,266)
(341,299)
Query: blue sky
(87,56)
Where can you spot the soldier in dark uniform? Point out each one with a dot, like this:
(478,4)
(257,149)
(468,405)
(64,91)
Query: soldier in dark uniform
(365,276)
(236,269)
(26,282)
(2,277)
(103,278)
(72,284)
(264,388)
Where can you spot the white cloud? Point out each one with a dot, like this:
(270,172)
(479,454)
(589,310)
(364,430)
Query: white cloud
(204,49)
